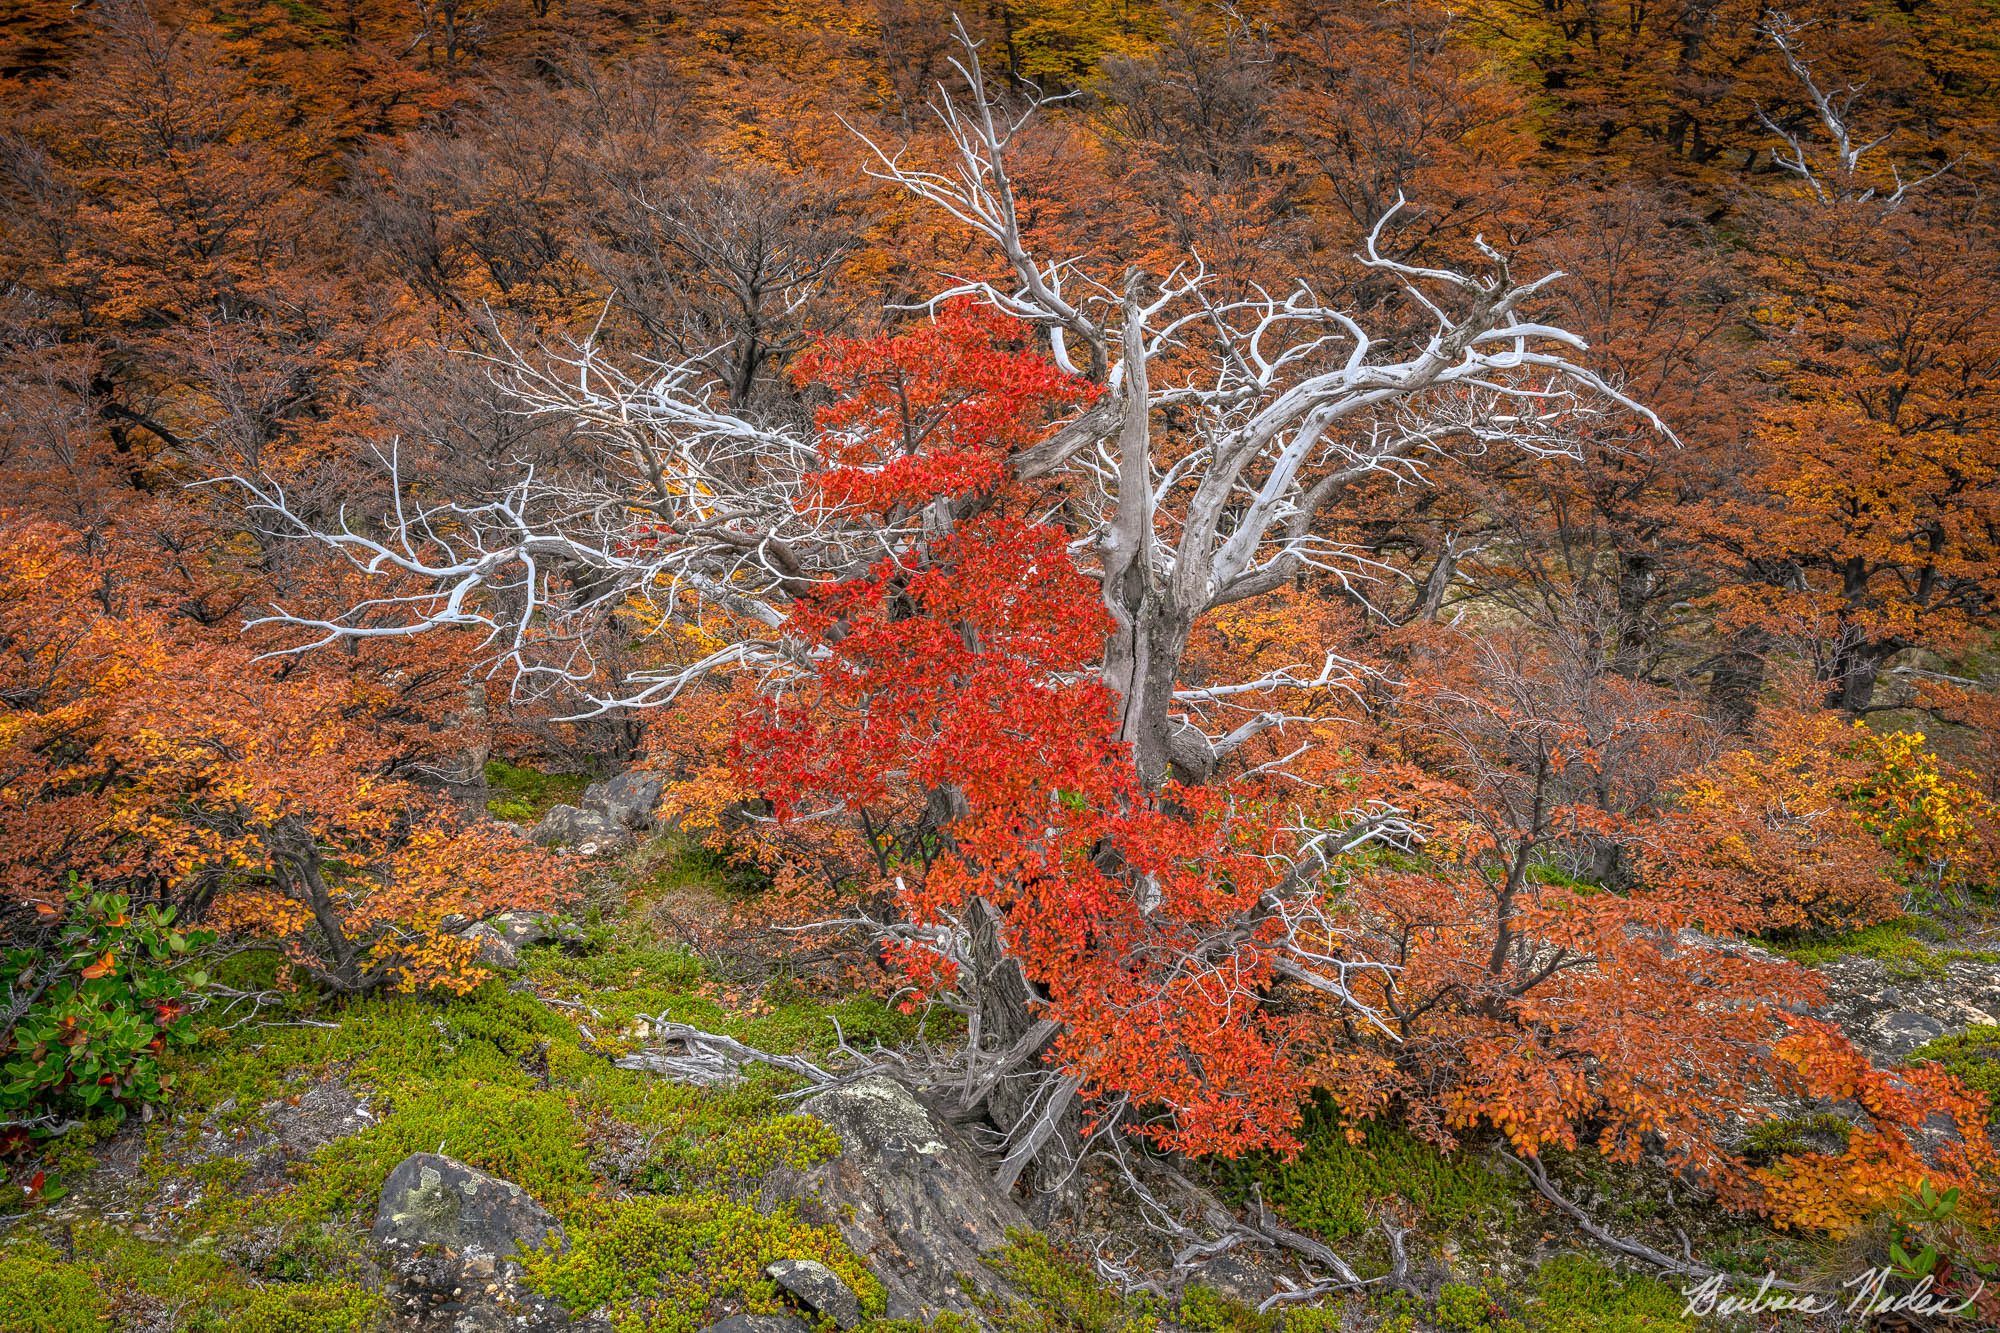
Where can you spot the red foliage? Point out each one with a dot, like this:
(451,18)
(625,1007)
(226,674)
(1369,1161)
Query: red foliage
(958,672)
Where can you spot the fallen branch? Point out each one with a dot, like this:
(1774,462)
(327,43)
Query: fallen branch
(710,1057)
(1688,1267)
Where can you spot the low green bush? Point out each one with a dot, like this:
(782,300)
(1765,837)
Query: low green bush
(96,1002)
(1972,1057)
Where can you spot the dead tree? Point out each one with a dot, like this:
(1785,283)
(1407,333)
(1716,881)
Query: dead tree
(1280,405)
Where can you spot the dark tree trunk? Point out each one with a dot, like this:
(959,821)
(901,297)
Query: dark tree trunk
(1735,680)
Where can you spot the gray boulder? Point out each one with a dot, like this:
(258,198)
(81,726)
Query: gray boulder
(1901,1031)
(759,1323)
(454,1237)
(521,929)
(818,1288)
(501,938)
(494,949)
(585,831)
(629,800)
(907,1194)
(434,1200)
(1237,1279)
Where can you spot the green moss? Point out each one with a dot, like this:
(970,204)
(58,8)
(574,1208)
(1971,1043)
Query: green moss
(334,1309)
(1062,1293)
(634,977)
(1462,1308)
(528,793)
(1903,946)
(661,1264)
(1576,1294)
(146,1284)
(520,1134)
(740,1154)
(1971,1056)
(1792,1135)
(1206,1310)
(503,1084)
(1394,1310)
(684,863)
(654,1180)
(1331,1319)
(41,1293)
(1329,1186)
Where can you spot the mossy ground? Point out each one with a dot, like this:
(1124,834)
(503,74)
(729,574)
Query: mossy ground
(1335,1188)
(656,1182)
(515,1079)
(523,793)
(1910,948)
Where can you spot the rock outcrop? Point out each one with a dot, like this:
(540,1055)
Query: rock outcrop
(628,801)
(907,1193)
(818,1288)
(587,831)
(454,1238)
(501,938)
(1892,1007)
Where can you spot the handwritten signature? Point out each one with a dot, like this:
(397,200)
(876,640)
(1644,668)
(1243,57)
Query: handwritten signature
(1869,1295)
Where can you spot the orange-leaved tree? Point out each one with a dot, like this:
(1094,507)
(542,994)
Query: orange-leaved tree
(146,754)
(1833,825)
(1526,995)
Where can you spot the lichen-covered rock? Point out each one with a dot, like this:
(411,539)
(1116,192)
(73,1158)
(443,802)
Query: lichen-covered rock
(586,831)
(759,1323)
(431,1199)
(454,1237)
(818,1288)
(501,938)
(1236,1279)
(495,950)
(907,1194)
(1881,1004)
(628,800)
(1901,1031)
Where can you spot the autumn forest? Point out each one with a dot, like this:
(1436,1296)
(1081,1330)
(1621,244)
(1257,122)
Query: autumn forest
(1348,644)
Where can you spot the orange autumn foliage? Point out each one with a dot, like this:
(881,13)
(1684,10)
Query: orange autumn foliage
(180,769)
(1881,1164)
(1778,819)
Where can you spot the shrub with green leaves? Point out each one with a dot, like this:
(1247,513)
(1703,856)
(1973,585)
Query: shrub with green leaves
(90,1007)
